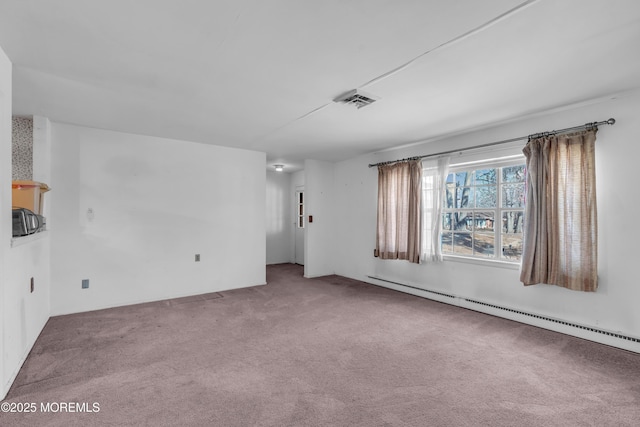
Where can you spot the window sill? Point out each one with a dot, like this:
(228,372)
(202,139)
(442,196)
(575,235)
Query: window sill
(19,241)
(483,262)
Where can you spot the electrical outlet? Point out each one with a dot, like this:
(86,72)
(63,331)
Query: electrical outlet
(197,257)
(85,283)
(31,285)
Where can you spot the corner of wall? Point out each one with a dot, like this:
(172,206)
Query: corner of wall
(24,263)
(5,198)
(41,149)
(320,233)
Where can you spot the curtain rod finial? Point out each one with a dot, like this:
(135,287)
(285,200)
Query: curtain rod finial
(611,121)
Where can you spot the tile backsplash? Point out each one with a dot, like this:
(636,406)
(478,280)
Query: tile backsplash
(22,148)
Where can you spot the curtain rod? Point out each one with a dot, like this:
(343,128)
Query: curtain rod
(490,144)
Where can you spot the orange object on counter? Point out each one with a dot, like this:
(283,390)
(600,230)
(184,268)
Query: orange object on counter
(29,195)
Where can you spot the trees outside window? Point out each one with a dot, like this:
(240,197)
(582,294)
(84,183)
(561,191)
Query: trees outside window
(484,211)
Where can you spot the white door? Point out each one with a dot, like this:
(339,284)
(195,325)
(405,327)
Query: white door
(299,225)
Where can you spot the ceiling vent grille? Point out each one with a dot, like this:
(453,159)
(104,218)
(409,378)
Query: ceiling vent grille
(356,98)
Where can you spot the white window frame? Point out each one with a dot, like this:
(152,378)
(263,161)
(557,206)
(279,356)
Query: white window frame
(498,261)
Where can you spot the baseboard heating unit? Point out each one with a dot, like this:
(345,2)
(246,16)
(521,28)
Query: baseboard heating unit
(591,333)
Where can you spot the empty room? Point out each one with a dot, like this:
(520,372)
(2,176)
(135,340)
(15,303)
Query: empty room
(330,213)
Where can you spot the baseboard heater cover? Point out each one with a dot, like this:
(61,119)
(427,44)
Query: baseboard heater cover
(415,287)
(561,322)
(511,310)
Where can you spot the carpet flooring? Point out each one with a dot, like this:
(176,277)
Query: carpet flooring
(329,351)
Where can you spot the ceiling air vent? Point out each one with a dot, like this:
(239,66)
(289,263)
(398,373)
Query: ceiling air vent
(357,98)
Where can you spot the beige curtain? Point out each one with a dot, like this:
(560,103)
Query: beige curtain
(399,211)
(560,236)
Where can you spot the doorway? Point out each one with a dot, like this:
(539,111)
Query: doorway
(299,225)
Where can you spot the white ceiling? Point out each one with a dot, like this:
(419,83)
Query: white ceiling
(262,74)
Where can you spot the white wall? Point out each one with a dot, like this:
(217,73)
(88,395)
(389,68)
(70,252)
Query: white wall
(279,218)
(29,258)
(5,203)
(24,313)
(319,203)
(613,307)
(129,213)
(297,180)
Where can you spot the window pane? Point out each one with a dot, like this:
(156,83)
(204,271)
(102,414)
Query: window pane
(485,176)
(463,179)
(484,221)
(464,198)
(447,221)
(512,246)
(486,197)
(462,244)
(513,174)
(513,196)
(447,238)
(450,191)
(462,221)
(512,222)
(451,178)
(512,226)
(484,244)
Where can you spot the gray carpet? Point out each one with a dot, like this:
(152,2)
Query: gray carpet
(320,352)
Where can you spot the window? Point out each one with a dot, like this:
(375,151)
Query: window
(483,214)
(300,209)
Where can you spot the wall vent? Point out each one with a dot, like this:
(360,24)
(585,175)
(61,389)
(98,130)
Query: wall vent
(357,98)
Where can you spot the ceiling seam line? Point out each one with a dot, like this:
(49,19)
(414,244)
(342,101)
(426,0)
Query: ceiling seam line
(407,64)
(452,41)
